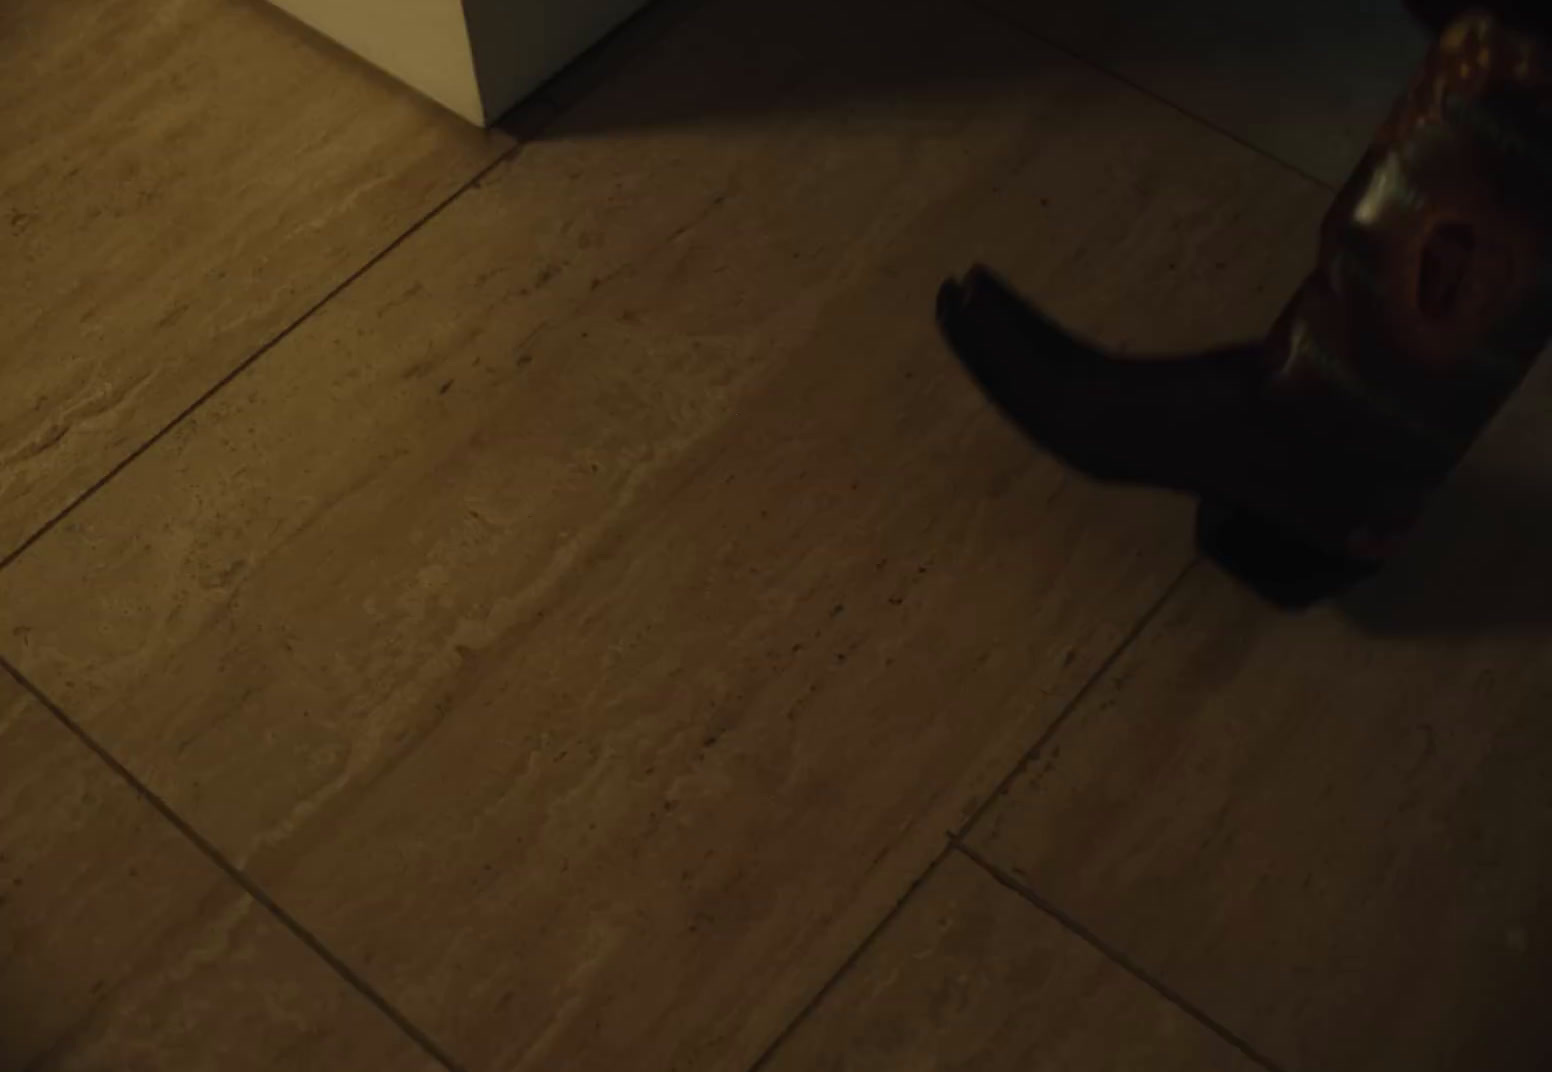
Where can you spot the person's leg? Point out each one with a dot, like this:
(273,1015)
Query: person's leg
(1316,447)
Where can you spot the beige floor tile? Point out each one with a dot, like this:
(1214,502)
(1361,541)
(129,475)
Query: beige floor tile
(180,180)
(122,947)
(1332,830)
(970,975)
(1305,81)
(591,620)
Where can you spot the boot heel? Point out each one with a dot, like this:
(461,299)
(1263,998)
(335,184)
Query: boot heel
(1280,568)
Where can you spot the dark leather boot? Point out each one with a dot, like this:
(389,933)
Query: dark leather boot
(1315,449)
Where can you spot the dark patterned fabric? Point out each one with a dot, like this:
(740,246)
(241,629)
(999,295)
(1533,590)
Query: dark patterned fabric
(1433,295)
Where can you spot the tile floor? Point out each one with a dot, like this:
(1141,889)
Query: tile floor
(544,599)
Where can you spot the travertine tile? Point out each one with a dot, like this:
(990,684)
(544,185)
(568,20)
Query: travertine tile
(180,180)
(1332,830)
(971,976)
(1305,81)
(122,947)
(591,620)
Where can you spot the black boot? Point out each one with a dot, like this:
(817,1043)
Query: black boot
(1317,448)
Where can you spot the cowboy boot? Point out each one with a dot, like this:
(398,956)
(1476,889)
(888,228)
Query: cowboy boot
(1314,450)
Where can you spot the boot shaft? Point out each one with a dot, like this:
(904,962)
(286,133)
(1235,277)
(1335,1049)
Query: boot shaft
(1433,294)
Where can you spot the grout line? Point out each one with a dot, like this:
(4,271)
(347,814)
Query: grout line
(598,65)
(524,122)
(246,363)
(551,102)
(241,878)
(548,104)
(992,11)
(813,1003)
(1115,956)
(1103,670)
(953,840)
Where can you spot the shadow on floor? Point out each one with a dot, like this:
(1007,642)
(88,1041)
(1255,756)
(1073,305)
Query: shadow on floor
(1481,561)
(743,59)
(740,60)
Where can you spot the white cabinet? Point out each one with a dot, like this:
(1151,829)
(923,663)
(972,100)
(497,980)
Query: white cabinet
(477,57)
